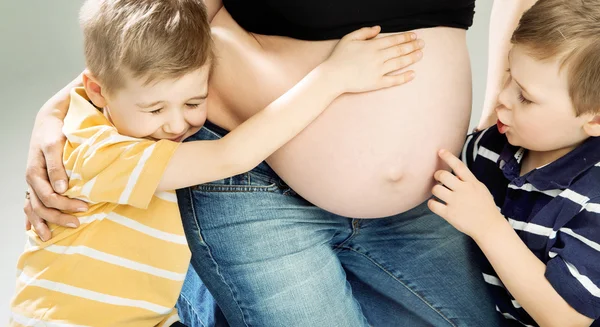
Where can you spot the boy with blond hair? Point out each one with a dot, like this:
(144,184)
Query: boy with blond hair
(144,92)
(528,191)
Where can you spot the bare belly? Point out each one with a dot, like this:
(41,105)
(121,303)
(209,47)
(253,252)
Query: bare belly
(369,155)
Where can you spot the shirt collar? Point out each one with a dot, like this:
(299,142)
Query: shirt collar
(558,174)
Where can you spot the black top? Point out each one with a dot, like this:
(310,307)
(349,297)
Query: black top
(332,19)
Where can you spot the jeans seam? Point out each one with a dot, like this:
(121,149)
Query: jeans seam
(401,282)
(218,270)
(190,307)
(354,233)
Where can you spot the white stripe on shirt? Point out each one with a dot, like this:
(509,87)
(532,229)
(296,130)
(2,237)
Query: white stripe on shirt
(488,154)
(27,321)
(115,260)
(532,228)
(493,280)
(167,196)
(476,145)
(575,197)
(584,280)
(87,188)
(139,227)
(113,138)
(592,207)
(172,319)
(509,316)
(464,150)
(135,174)
(94,296)
(527,187)
(586,241)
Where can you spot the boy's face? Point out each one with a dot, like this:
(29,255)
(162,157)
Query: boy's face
(168,109)
(535,110)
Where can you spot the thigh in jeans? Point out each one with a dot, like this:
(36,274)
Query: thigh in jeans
(418,262)
(266,255)
(196,306)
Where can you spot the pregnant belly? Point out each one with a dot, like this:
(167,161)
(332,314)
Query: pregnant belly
(368,155)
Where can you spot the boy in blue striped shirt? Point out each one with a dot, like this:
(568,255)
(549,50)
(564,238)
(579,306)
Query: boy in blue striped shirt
(528,189)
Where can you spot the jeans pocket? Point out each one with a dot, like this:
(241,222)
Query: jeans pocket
(246,182)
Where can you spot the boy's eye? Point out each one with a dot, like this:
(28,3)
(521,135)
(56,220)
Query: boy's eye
(192,105)
(156,111)
(523,99)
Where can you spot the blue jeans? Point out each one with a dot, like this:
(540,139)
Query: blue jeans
(270,258)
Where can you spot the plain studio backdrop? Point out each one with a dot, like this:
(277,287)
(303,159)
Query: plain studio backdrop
(40,51)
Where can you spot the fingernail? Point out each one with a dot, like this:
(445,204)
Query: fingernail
(82,209)
(60,186)
(421,43)
(413,36)
(72,225)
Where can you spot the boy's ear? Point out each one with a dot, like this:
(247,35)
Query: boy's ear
(93,88)
(592,127)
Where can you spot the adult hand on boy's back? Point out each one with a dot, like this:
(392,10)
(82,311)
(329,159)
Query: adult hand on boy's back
(468,205)
(45,172)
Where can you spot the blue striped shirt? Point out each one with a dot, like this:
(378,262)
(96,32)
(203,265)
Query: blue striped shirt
(555,210)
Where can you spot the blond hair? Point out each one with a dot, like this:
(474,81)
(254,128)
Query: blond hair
(570,31)
(149,39)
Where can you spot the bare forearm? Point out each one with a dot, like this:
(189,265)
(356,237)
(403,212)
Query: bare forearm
(255,139)
(523,275)
(504,20)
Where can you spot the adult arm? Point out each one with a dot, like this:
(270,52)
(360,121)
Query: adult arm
(503,22)
(45,173)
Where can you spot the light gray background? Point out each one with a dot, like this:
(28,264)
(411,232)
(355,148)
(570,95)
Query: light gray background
(40,51)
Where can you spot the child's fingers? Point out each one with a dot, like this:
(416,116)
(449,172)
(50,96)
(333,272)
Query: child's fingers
(364,33)
(445,177)
(441,192)
(398,79)
(393,40)
(459,168)
(437,207)
(399,63)
(403,49)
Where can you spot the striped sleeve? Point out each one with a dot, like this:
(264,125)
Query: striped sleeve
(110,168)
(574,265)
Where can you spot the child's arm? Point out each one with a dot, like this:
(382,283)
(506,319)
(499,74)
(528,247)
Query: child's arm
(470,208)
(524,275)
(357,64)
(503,22)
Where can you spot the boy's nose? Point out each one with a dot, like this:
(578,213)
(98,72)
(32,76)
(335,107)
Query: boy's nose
(175,126)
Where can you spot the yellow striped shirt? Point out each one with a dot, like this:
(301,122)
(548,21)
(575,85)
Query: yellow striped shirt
(125,264)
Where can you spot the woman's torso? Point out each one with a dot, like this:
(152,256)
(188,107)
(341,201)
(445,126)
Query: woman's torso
(369,155)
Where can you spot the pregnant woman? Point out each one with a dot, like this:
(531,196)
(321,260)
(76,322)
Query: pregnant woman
(288,243)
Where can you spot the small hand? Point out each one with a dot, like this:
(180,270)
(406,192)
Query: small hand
(365,63)
(469,206)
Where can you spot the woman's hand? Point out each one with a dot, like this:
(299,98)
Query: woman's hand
(45,173)
(364,63)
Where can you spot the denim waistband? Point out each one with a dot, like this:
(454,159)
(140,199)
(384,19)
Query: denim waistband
(262,168)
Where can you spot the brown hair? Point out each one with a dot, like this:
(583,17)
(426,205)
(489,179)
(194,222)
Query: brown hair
(150,39)
(570,31)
